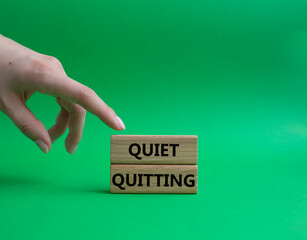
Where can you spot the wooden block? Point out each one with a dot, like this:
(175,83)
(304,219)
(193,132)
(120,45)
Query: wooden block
(153,149)
(153,178)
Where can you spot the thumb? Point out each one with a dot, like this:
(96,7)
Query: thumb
(28,124)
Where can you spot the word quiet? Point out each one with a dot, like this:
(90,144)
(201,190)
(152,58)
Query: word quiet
(157,149)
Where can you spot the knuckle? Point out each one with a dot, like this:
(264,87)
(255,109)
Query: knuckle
(4,103)
(86,92)
(80,111)
(109,110)
(26,128)
(38,68)
(54,60)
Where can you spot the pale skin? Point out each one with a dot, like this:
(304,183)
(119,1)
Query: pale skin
(24,72)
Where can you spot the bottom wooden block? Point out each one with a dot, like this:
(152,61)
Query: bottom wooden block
(153,178)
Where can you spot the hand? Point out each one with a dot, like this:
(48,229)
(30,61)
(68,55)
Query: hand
(24,72)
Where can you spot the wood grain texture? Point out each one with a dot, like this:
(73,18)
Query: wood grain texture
(153,178)
(164,149)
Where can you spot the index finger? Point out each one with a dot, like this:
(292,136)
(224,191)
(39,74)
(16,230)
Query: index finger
(60,85)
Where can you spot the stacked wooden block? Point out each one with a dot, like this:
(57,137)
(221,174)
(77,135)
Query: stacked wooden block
(153,164)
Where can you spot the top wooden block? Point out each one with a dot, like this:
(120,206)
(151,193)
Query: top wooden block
(153,149)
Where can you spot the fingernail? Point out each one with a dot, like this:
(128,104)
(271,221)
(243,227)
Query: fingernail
(120,122)
(72,151)
(43,146)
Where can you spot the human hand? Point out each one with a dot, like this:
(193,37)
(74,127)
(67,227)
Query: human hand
(24,72)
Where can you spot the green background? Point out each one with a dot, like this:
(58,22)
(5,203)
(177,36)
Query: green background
(232,72)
